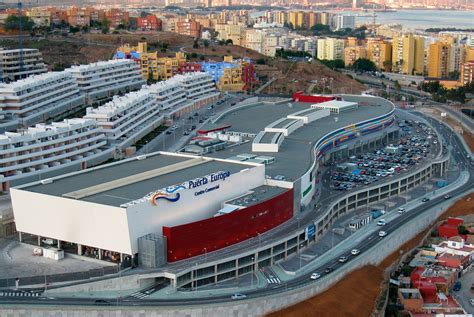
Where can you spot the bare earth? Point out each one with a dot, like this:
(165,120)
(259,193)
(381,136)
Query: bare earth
(357,293)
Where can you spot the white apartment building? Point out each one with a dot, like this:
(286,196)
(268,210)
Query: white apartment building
(102,80)
(17,64)
(40,97)
(342,22)
(198,86)
(254,39)
(48,150)
(126,119)
(331,48)
(170,97)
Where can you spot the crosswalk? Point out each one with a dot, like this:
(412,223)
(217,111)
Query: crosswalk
(270,276)
(18,294)
(139,295)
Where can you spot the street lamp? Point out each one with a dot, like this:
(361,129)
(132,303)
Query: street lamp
(205,254)
(251,272)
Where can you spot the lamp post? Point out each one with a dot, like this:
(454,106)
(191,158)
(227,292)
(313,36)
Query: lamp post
(205,254)
(253,268)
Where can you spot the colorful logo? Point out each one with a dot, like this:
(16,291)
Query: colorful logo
(168,194)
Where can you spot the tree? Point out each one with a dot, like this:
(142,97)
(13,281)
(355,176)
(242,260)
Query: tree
(206,43)
(74,29)
(454,75)
(365,65)
(194,55)
(387,65)
(229,42)
(12,22)
(105,26)
(336,63)
(195,44)
(397,85)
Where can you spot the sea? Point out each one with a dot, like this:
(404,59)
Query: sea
(419,19)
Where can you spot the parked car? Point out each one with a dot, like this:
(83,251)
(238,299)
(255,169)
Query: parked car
(382,233)
(355,251)
(381,222)
(168,132)
(315,276)
(471,301)
(238,296)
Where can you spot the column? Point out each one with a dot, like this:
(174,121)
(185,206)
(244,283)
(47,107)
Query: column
(79,249)
(100,254)
(39,240)
(20,236)
(59,244)
(121,257)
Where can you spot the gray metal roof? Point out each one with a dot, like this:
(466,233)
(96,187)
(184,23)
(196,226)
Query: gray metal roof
(129,192)
(258,195)
(294,156)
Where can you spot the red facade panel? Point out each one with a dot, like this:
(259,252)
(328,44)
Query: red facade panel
(195,238)
(301,97)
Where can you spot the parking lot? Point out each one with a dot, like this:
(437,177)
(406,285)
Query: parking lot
(414,148)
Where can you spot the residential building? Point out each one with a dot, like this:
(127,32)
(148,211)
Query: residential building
(117,17)
(78,17)
(17,64)
(40,97)
(467,73)
(102,80)
(353,53)
(197,86)
(296,19)
(239,77)
(439,58)
(408,54)
(126,119)
(149,23)
(233,32)
(330,49)
(170,98)
(344,22)
(50,149)
(189,27)
(380,52)
(254,39)
(58,16)
(39,16)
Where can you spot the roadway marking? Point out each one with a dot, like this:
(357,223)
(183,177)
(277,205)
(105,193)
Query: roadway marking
(139,295)
(19,294)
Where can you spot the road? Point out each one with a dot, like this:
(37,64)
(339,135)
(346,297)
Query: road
(458,153)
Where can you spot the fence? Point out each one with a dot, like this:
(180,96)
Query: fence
(48,280)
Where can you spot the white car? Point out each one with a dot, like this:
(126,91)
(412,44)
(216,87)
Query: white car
(471,301)
(381,222)
(315,276)
(401,210)
(238,296)
(382,233)
(355,251)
